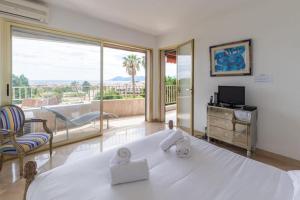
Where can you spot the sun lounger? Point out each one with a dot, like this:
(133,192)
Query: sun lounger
(80,120)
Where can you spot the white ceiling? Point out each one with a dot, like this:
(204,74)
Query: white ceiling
(155,17)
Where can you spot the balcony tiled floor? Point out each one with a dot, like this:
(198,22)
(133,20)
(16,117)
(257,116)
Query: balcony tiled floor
(93,129)
(114,125)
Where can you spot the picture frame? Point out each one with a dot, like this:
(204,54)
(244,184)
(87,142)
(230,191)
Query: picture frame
(231,59)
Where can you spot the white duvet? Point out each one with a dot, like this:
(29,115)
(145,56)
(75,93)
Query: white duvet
(211,173)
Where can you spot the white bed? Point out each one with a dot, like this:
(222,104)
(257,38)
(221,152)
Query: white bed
(212,173)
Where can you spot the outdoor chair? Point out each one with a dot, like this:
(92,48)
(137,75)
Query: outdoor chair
(80,120)
(13,141)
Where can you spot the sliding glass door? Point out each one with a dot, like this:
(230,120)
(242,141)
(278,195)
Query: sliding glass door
(57,77)
(124,87)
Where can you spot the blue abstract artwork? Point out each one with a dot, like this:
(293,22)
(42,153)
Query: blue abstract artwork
(230,59)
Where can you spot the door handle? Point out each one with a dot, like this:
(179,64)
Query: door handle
(7,90)
(187,89)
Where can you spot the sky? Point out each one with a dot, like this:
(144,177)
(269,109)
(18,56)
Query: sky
(52,60)
(113,63)
(170,69)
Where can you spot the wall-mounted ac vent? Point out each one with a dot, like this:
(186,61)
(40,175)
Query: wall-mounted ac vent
(21,9)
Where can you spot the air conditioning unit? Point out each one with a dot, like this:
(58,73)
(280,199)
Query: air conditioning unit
(24,10)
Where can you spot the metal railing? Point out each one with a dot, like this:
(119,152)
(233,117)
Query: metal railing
(20,93)
(170,94)
(91,92)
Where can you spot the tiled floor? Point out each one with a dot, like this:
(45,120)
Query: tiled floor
(171,115)
(94,129)
(114,124)
(12,187)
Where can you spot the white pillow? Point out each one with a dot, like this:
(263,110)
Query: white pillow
(295,176)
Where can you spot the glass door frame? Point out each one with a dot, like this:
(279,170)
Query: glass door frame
(8,49)
(191,131)
(148,67)
(162,72)
(162,83)
(6,62)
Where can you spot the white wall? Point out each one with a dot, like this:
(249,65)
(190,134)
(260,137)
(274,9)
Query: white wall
(75,22)
(274,27)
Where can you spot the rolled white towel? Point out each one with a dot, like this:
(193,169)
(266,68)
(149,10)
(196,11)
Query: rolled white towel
(183,147)
(122,156)
(169,141)
(133,171)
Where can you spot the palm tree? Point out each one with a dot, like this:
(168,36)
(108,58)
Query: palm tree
(132,64)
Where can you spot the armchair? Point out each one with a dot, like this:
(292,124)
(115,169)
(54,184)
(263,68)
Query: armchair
(13,141)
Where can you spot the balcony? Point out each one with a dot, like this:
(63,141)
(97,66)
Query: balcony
(118,100)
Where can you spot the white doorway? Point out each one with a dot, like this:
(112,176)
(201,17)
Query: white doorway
(168,85)
(177,85)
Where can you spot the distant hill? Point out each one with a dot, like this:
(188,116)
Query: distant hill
(119,79)
(122,78)
(58,82)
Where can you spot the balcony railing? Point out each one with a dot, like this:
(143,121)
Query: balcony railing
(78,93)
(170,94)
(53,95)
(20,93)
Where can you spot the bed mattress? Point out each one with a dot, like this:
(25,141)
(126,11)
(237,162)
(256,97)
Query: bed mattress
(211,173)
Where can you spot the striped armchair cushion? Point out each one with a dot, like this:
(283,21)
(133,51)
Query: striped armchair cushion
(27,142)
(11,118)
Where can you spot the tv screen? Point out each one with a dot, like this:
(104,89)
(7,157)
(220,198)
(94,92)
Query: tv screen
(233,95)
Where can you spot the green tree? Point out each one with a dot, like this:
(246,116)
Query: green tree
(15,80)
(24,81)
(132,63)
(144,62)
(170,80)
(86,86)
(20,80)
(74,85)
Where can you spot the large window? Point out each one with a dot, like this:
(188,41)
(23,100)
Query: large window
(57,78)
(82,86)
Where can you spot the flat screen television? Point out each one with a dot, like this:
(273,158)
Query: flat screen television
(231,95)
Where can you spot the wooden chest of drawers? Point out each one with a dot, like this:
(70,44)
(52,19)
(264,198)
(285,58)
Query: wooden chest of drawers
(223,125)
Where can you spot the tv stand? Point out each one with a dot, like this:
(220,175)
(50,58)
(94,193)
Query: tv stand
(232,126)
(231,106)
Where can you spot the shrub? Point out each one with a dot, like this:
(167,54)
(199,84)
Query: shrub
(109,94)
(170,80)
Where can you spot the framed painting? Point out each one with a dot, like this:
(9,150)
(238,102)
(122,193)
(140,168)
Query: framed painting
(231,59)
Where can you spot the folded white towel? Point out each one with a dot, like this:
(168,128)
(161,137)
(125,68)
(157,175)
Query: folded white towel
(122,156)
(183,147)
(172,138)
(133,171)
